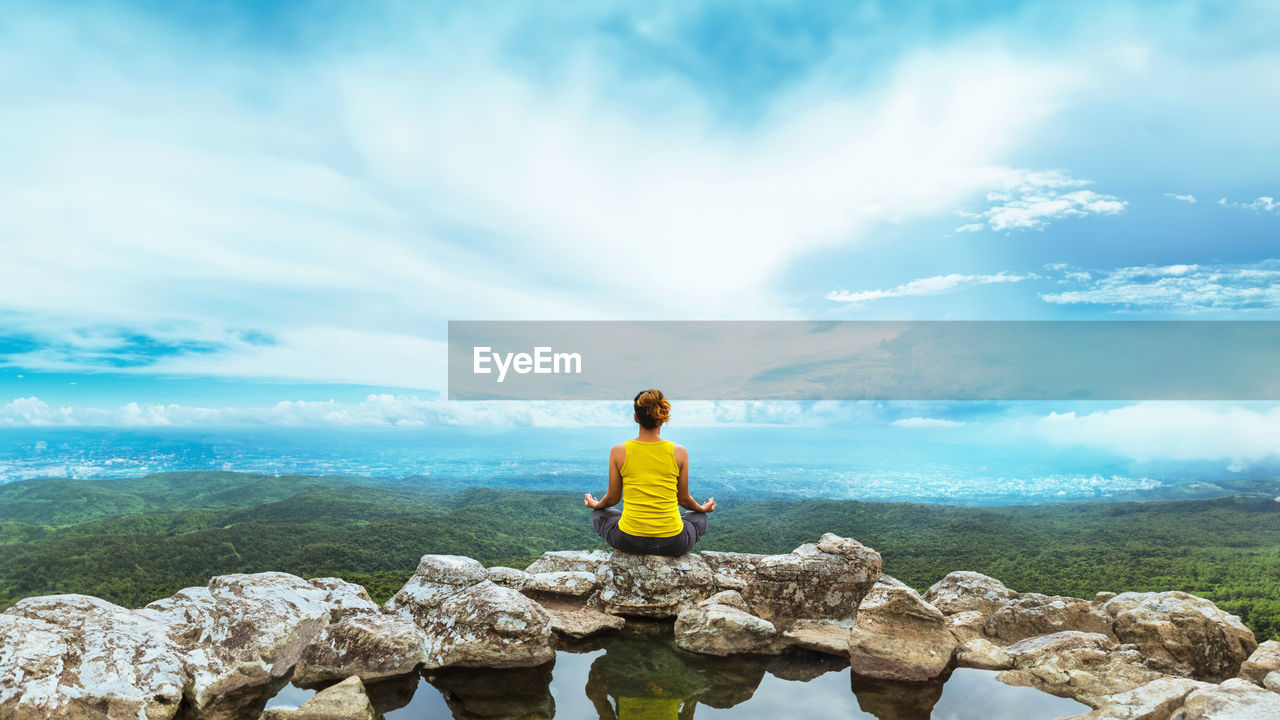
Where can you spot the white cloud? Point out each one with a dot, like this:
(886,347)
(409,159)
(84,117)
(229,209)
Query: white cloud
(1029,200)
(1181,288)
(1170,431)
(926,422)
(927,286)
(354,202)
(387,410)
(1262,203)
(1188,198)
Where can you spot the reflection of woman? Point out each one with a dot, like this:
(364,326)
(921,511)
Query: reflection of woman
(650,476)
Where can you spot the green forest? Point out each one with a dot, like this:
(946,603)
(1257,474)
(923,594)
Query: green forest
(135,540)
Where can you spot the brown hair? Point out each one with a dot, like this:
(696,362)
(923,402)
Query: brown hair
(652,409)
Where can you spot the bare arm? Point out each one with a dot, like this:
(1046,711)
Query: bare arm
(682,486)
(614,495)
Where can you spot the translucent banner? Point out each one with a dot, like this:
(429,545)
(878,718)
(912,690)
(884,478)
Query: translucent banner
(866,360)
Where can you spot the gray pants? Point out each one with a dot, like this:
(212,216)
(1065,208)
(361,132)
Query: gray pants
(605,521)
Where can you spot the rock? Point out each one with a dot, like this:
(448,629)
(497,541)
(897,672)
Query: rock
(241,634)
(1080,665)
(1234,699)
(738,568)
(436,577)
(78,657)
(1191,633)
(345,701)
(1156,700)
(890,582)
(728,582)
(573,583)
(722,626)
(967,625)
(653,585)
(1032,614)
(575,620)
(344,599)
(1102,597)
(982,654)
(569,561)
(371,647)
(486,626)
(1264,660)
(899,636)
(1272,681)
(963,591)
(824,580)
(824,636)
(508,577)
(731,598)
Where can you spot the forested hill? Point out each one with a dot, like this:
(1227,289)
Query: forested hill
(135,540)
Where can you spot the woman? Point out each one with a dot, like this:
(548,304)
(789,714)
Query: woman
(651,476)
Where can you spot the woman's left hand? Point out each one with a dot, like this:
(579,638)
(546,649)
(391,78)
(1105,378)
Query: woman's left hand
(590,501)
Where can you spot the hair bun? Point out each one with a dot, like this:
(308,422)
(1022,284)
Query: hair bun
(652,409)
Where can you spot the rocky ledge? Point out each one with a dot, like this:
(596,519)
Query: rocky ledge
(219,651)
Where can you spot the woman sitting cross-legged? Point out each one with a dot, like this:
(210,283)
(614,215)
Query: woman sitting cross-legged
(651,478)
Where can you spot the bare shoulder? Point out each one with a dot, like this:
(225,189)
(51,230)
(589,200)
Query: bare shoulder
(681,453)
(618,450)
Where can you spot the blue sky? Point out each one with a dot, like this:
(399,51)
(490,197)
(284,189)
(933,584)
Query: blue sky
(220,207)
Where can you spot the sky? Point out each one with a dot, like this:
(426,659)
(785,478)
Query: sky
(267,212)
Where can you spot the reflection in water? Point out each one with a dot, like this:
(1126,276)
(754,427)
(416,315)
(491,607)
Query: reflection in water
(515,694)
(643,676)
(887,700)
(639,674)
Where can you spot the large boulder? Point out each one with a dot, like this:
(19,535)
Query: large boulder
(823,580)
(437,577)
(964,591)
(508,577)
(653,585)
(830,637)
(967,625)
(344,599)
(487,626)
(982,654)
(569,561)
(1032,614)
(1189,632)
(1156,700)
(371,647)
(346,700)
(570,583)
(1080,665)
(723,625)
(1264,661)
(577,620)
(1234,699)
(732,568)
(899,636)
(469,620)
(241,634)
(78,657)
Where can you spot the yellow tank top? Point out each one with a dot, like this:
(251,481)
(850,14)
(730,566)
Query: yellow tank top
(649,474)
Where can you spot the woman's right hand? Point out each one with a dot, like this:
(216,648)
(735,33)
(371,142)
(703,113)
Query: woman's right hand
(709,505)
(590,501)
